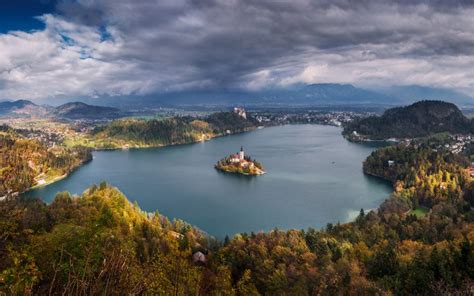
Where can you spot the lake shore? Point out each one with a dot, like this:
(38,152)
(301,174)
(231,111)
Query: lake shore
(301,178)
(55,179)
(230,169)
(49,182)
(59,178)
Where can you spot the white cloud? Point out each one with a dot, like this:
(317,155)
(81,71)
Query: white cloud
(65,59)
(122,47)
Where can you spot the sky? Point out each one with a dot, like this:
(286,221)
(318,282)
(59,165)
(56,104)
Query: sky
(97,48)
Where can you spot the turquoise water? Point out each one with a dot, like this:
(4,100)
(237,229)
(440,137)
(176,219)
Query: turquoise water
(314,177)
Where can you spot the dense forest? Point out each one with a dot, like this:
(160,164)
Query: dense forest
(170,131)
(100,243)
(426,175)
(23,161)
(420,119)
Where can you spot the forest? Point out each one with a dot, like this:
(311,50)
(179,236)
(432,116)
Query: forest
(100,243)
(169,131)
(24,161)
(420,119)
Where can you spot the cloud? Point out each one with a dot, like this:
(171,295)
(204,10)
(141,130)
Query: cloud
(123,47)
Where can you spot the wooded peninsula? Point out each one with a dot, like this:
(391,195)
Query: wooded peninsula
(26,163)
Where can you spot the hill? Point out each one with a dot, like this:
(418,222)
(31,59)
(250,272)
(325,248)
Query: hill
(22,108)
(78,110)
(417,120)
(25,163)
(73,111)
(170,131)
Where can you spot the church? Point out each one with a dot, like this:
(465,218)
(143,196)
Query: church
(238,157)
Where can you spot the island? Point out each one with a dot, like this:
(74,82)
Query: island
(37,151)
(239,163)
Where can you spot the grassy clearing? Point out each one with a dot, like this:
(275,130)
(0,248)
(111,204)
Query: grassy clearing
(419,212)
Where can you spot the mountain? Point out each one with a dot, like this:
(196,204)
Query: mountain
(417,120)
(22,108)
(74,111)
(324,94)
(300,95)
(412,93)
(321,94)
(78,110)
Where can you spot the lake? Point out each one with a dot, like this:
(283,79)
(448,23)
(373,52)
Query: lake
(314,176)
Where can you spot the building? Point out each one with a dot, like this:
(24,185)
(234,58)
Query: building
(199,257)
(241,112)
(471,171)
(234,158)
(238,157)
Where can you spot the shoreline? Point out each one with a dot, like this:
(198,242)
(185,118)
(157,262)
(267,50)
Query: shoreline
(174,144)
(55,179)
(368,140)
(260,173)
(382,178)
(59,178)
(244,176)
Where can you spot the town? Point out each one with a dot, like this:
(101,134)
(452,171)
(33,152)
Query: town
(280,117)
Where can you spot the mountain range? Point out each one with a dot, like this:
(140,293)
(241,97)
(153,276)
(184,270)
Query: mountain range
(73,110)
(323,94)
(412,93)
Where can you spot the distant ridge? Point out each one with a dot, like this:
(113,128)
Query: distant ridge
(73,111)
(22,108)
(324,94)
(333,93)
(300,95)
(410,93)
(78,110)
(417,120)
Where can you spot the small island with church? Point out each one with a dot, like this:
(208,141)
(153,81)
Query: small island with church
(239,163)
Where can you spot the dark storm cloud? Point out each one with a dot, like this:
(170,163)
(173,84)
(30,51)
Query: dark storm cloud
(192,44)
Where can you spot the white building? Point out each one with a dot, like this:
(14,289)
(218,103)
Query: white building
(238,157)
(241,112)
